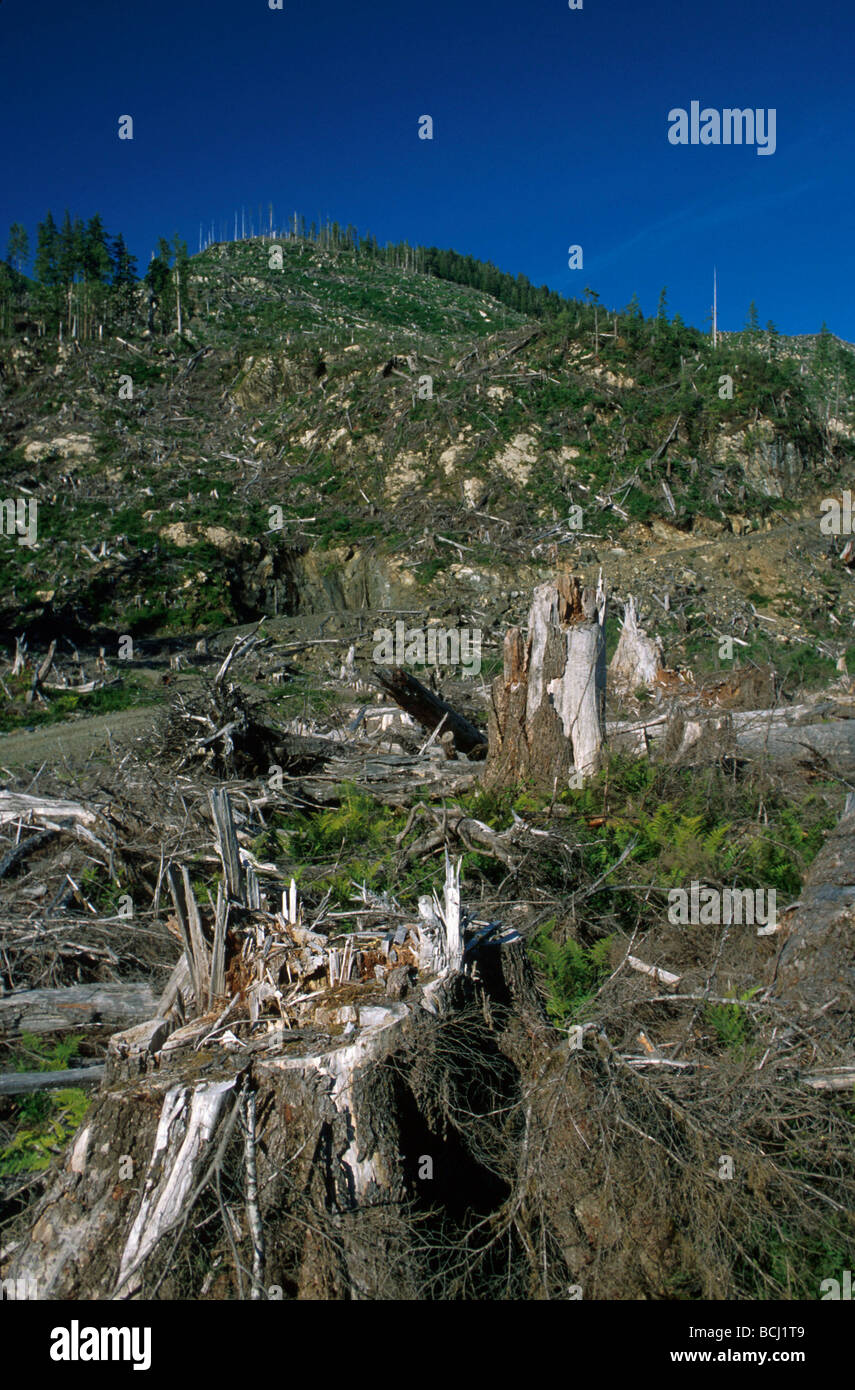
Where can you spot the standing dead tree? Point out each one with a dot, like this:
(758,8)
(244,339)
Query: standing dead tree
(548,707)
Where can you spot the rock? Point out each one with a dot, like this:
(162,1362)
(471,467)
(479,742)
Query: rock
(474,492)
(517,459)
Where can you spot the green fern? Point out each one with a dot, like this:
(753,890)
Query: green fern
(32,1149)
(573,972)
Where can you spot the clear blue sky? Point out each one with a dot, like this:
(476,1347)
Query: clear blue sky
(550,130)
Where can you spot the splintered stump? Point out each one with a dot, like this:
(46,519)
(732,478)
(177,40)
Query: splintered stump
(321,1153)
(319,1193)
(548,709)
(637,662)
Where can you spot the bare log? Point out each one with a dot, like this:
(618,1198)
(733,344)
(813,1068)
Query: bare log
(20,1083)
(664,977)
(49,811)
(78,1006)
(835,1079)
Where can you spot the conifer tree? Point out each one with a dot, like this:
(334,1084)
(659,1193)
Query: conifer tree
(18,249)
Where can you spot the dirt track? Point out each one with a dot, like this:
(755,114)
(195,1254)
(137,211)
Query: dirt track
(76,741)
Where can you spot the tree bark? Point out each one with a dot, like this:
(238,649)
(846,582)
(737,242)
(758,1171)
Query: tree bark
(815,969)
(350,1112)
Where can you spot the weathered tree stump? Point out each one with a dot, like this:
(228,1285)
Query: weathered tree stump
(638,658)
(548,708)
(815,969)
(344,1133)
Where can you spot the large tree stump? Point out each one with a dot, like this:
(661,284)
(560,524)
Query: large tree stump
(548,709)
(815,969)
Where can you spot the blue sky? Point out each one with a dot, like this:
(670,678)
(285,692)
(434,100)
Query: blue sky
(550,129)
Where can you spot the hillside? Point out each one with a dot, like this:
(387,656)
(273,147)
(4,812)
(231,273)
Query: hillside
(307,388)
(250,877)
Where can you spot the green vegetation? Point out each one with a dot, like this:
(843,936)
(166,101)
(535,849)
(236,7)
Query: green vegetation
(732,1023)
(18,715)
(573,973)
(339,848)
(43,1121)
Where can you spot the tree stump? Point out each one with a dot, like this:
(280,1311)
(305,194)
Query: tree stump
(638,658)
(548,708)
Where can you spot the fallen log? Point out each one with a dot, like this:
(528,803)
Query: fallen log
(78,1006)
(835,1079)
(50,811)
(21,1083)
(430,710)
(24,848)
(788,736)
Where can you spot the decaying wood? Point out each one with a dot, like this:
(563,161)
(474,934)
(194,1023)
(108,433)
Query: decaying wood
(240,647)
(429,709)
(20,662)
(78,1006)
(548,707)
(189,924)
(48,811)
(664,977)
(23,848)
(227,846)
(777,741)
(835,1079)
(331,1126)
(786,736)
